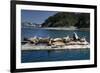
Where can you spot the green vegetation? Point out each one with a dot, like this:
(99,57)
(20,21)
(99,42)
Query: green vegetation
(67,19)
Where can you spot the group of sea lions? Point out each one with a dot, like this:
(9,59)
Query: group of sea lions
(75,40)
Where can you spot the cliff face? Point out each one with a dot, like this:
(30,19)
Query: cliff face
(67,19)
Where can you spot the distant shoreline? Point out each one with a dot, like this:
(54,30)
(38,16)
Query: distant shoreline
(58,28)
(66,28)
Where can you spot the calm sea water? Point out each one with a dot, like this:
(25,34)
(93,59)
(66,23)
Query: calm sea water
(40,56)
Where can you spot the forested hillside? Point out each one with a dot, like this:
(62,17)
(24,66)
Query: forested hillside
(67,19)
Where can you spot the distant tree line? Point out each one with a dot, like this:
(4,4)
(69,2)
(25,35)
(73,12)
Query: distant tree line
(67,19)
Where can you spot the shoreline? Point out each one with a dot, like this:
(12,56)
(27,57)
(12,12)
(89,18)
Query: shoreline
(58,28)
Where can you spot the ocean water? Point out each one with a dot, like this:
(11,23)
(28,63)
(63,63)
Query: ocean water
(65,55)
